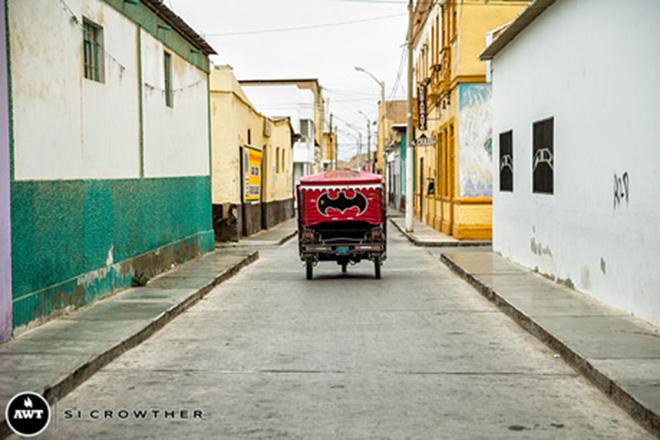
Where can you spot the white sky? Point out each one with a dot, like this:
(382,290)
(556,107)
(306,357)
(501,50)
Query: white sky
(328,53)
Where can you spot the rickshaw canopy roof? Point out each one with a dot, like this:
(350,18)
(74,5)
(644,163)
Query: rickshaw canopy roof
(341,177)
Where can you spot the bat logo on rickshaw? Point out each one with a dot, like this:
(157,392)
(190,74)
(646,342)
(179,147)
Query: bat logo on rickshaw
(342,203)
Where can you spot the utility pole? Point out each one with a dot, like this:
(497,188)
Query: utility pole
(381,145)
(368,155)
(409,130)
(359,159)
(382,132)
(369,142)
(336,147)
(322,118)
(333,159)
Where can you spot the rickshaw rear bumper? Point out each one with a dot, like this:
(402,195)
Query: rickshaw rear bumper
(343,250)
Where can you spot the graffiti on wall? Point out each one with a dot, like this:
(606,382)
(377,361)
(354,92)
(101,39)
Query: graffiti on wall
(475,143)
(621,189)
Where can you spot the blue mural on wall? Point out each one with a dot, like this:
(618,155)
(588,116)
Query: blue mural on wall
(475,141)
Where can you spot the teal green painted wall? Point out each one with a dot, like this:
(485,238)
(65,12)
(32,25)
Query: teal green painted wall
(64,229)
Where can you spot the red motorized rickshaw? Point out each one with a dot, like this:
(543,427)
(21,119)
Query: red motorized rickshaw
(341,217)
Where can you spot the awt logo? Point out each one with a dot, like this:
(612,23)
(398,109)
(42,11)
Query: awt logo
(27,414)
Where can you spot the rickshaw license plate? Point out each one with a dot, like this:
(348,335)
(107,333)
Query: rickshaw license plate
(341,250)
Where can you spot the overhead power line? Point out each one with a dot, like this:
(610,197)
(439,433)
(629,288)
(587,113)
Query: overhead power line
(301,28)
(397,81)
(387,2)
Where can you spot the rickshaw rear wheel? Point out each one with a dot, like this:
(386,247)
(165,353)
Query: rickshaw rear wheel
(377,265)
(309,268)
(343,267)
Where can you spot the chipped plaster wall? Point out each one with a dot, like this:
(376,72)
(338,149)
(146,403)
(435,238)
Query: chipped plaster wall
(599,232)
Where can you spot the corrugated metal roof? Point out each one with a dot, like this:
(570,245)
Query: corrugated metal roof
(516,27)
(177,23)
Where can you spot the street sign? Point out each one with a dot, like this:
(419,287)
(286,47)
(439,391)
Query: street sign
(421,107)
(424,141)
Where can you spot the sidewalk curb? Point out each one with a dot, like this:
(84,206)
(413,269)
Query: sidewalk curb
(637,410)
(457,243)
(287,237)
(55,392)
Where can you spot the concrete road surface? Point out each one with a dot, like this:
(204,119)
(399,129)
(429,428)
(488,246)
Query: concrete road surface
(416,355)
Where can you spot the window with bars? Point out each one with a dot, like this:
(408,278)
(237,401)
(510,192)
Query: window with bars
(543,161)
(93,51)
(506,161)
(167,68)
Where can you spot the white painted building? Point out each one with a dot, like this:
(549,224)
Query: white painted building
(279,98)
(576,106)
(92,128)
(110,170)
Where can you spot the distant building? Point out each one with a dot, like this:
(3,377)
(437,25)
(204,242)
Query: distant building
(395,119)
(396,167)
(110,177)
(575,120)
(453,163)
(359,162)
(252,157)
(329,153)
(302,101)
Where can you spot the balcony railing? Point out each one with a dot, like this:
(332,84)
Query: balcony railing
(445,69)
(440,75)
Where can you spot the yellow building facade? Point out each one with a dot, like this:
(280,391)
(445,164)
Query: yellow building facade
(329,152)
(251,162)
(453,170)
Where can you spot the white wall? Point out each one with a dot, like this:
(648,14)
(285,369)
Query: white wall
(65,126)
(176,140)
(303,152)
(69,127)
(593,66)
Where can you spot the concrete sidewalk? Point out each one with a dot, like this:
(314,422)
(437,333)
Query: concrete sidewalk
(618,353)
(274,236)
(56,357)
(426,236)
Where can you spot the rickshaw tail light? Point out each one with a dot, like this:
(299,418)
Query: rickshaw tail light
(377,235)
(308,236)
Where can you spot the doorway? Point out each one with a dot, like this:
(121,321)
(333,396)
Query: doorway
(421,189)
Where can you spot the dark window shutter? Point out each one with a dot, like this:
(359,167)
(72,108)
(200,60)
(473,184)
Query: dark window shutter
(506,161)
(543,158)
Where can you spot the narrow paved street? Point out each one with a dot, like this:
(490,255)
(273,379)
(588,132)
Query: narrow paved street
(418,354)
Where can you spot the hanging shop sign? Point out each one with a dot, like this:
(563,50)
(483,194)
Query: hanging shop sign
(421,107)
(424,141)
(252,174)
